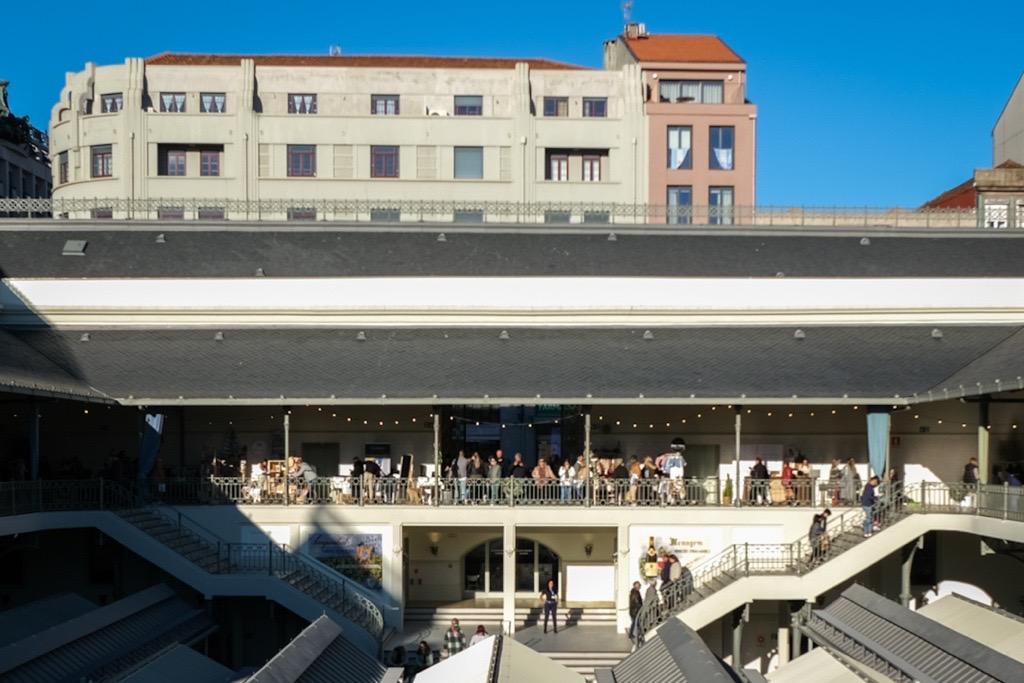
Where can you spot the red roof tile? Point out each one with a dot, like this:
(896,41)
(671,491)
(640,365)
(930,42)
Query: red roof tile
(682,48)
(385,61)
(963,196)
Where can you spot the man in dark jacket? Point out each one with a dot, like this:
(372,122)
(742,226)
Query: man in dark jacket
(636,601)
(867,502)
(357,477)
(759,483)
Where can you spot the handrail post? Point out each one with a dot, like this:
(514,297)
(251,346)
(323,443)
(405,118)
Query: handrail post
(218,555)
(270,557)
(746,558)
(101,493)
(1006,499)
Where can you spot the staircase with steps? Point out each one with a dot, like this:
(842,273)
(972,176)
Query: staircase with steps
(491,617)
(215,556)
(584,663)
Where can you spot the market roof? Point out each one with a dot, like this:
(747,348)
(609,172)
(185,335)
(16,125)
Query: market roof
(499,658)
(181,663)
(36,250)
(105,641)
(379,61)
(26,620)
(867,628)
(322,654)
(993,627)
(818,665)
(681,48)
(674,654)
(523,365)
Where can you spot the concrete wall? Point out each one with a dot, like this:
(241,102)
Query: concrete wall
(1008,133)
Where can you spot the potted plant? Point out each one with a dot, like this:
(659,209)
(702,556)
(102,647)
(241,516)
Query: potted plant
(727,491)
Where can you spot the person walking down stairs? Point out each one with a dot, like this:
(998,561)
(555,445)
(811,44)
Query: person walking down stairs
(867,502)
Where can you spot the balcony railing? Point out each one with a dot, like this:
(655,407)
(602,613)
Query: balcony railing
(590,214)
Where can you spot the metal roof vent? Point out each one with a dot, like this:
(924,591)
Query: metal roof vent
(780,274)
(260,272)
(936,333)
(218,336)
(160,239)
(648,335)
(85,337)
(442,238)
(360,336)
(865,241)
(74,248)
(799,334)
(612,237)
(504,335)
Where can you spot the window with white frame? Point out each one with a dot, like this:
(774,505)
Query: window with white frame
(111,103)
(170,161)
(997,214)
(209,161)
(172,102)
(102,161)
(680,147)
(301,103)
(721,148)
(212,102)
(591,169)
(701,92)
(384,105)
(679,207)
(720,205)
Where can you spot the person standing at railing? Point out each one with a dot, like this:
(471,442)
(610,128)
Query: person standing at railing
(566,479)
(971,479)
(476,472)
(649,476)
(460,468)
(787,481)
(543,476)
(357,478)
(835,481)
(850,483)
(494,474)
(582,475)
(371,472)
(868,499)
(816,535)
(759,483)
(620,481)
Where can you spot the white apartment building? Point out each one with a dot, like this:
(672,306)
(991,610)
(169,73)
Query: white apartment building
(209,136)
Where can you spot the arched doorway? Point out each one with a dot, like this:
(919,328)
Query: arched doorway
(483,568)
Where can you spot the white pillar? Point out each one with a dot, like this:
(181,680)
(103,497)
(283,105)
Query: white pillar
(508,580)
(586,456)
(396,577)
(622,582)
(737,490)
(436,496)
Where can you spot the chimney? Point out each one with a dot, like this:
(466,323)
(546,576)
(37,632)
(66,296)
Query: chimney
(635,30)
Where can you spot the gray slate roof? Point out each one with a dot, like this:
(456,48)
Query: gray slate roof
(105,641)
(674,654)
(320,654)
(25,370)
(904,644)
(369,252)
(613,364)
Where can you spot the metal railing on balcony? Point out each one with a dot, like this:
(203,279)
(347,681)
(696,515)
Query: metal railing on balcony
(590,214)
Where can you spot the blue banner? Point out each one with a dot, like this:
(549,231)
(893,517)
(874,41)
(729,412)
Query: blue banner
(878,441)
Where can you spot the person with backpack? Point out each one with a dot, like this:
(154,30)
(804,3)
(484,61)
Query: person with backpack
(867,502)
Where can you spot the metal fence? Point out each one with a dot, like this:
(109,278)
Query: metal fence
(471,212)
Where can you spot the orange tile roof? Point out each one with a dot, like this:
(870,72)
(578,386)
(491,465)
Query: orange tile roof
(395,61)
(963,196)
(681,48)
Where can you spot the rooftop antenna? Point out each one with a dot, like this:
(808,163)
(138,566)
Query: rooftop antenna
(334,50)
(627,11)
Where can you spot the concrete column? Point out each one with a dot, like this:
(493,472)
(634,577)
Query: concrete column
(908,563)
(739,617)
(508,578)
(783,645)
(436,497)
(396,578)
(737,490)
(622,582)
(983,440)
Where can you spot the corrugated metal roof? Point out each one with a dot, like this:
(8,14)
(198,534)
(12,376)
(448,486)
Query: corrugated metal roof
(818,666)
(26,620)
(320,654)
(181,663)
(995,628)
(871,629)
(674,654)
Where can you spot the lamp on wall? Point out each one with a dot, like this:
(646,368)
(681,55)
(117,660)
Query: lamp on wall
(588,549)
(434,538)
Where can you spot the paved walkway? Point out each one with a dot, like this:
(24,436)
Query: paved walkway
(583,638)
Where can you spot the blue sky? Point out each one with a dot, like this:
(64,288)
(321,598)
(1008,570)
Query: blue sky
(868,103)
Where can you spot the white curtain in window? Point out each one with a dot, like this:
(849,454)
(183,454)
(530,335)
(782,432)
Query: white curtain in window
(679,142)
(208,102)
(218,103)
(723,156)
(179,102)
(307,101)
(167,101)
(712,92)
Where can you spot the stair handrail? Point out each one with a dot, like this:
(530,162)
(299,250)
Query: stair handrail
(734,561)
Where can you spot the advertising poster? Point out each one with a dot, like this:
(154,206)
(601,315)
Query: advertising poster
(360,557)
